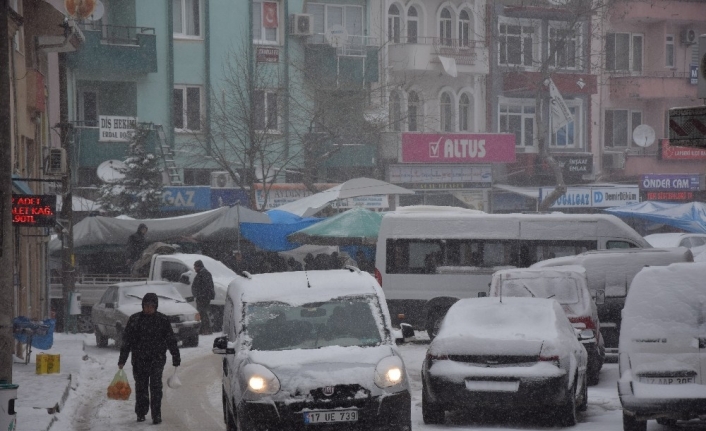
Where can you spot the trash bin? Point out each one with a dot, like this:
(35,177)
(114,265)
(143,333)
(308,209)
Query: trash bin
(8,395)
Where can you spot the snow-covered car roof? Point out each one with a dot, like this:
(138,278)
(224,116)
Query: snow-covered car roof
(215,267)
(502,319)
(302,287)
(669,239)
(574,271)
(666,300)
(141,288)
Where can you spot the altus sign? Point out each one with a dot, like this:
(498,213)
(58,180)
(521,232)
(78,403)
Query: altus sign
(457,148)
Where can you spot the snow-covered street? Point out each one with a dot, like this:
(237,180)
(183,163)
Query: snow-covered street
(197,404)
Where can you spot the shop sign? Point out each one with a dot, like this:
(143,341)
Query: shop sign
(267,55)
(116,129)
(441,177)
(370,202)
(457,148)
(670,152)
(34,210)
(576,165)
(668,196)
(187,198)
(671,182)
(593,197)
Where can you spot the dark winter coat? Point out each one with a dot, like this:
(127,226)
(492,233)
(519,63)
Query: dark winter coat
(202,287)
(136,244)
(148,337)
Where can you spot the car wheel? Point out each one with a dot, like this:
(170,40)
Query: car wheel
(434,322)
(566,415)
(631,423)
(101,340)
(432,414)
(584,401)
(192,341)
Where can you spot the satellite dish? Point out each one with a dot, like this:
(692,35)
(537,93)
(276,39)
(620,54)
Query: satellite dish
(111,171)
(336,36)
(643,135)
(80,9)
(98,12)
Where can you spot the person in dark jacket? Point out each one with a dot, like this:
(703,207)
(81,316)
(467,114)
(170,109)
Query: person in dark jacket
(148,335)
(203,291)
(136,244)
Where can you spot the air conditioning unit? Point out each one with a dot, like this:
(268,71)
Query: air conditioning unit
(56,162)
(688,36)
(222,180)
(613,160)
(301,24)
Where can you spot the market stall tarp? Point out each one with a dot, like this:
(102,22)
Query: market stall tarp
(357,226)
(105,233)
(690,217)
(272,236)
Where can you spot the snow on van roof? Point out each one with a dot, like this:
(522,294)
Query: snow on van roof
(429,211)
(301,287)
(434,209)
(664,301)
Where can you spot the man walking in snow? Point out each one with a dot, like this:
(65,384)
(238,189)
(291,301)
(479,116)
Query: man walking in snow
(148,335)
(203,291)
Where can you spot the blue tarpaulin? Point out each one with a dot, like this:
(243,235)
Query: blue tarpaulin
(689,217)
(273,236)
(39,333)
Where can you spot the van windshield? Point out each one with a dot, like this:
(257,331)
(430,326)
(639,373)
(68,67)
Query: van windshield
(341,322)
(563,289)
(434,256)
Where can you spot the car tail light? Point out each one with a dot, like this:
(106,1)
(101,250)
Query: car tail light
(431,358)
(378,277)
(586,320)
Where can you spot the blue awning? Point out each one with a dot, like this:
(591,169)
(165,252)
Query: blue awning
(273,236)
(690,217)
(20,186)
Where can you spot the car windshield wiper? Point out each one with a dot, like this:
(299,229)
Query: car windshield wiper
(169,297)
(134,296)
(529,290)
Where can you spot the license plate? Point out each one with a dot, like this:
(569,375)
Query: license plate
(330,416)
(491,386)
(667,380)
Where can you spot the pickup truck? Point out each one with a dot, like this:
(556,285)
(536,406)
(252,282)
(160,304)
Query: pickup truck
(176,268)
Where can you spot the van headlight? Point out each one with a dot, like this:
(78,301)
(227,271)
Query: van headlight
(260,380)
(389,372)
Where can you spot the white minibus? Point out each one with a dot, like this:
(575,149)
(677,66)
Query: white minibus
(428,257)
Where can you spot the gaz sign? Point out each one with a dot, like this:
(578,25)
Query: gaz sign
(687,126)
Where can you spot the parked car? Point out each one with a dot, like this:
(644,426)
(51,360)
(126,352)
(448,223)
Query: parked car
(514,353)
(568,286)
(663,346)
(122,300)
(311,348)
(688,240)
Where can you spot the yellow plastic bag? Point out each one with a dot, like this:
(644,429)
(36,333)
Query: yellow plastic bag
(119,388)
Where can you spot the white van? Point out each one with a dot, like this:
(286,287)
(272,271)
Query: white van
(609,274)
(663,346)
(430,256)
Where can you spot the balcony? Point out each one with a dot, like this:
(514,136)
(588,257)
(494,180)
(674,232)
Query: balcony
(647,12)
(349,65)
(652,85)
(116,49)
(422,53)
(92,152)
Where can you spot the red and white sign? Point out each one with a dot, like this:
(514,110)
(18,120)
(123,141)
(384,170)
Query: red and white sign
(670,152)
(458,148)
(269,15)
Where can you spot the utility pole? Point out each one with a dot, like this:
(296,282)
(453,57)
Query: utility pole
(6,258)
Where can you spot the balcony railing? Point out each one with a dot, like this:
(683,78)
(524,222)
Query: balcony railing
(117,34)
(463,50)
(354,46)
(650,74)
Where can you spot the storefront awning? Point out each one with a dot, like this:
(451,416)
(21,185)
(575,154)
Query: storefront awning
(20,186)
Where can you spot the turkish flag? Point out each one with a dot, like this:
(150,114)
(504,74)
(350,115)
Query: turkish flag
(269,14)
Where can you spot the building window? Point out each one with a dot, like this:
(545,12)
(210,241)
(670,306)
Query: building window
(669,51)
(465,113)
(464,28)
(624,52)
(395,112)
(394,24)
(186,16)
(414,112)
(266,114)
(518,118)
(265,22)
(446,112)
(445,27)
(187,108)
(88,108)
(327,15)
(618,126)
(412,25)
(569,135)
(564,47)
(516,44)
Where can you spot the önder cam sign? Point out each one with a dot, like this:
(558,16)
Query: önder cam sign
(34,210)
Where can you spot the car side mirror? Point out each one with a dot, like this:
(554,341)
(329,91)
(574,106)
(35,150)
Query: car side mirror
(184,279)
(221,346)
(482,294)
(404,335)
(109,305)
(585,334)
(600,297)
